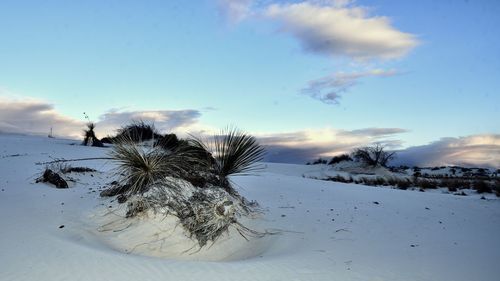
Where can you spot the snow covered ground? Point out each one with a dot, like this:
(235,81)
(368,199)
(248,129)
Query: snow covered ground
(329,231)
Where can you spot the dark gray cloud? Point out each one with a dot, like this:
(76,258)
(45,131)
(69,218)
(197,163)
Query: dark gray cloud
(304,146)
(476,150)
(329,89)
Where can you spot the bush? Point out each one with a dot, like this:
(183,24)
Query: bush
(426,184)
(403,184)
(339,158)
(373,155)
(339,178)
(319,161)
(168,142)
(138,131)
(481,186)
(89,137)
(232,152)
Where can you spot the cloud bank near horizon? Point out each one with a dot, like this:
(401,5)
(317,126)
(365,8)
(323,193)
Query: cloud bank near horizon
(30,116)
(164,120)
(476,150)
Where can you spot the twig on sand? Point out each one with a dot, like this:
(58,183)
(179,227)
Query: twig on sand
(73,160)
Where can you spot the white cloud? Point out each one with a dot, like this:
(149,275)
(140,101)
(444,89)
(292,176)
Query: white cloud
(164,120)
(31,116)
(338,28)
(235,10)
(328,89)
(475,150)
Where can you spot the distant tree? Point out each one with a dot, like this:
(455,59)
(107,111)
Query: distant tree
(373,155)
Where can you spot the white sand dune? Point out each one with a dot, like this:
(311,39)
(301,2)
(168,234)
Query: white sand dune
(330,231)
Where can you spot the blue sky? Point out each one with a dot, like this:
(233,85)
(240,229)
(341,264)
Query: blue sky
(241,62)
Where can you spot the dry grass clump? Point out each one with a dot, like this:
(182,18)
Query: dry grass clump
(204,213)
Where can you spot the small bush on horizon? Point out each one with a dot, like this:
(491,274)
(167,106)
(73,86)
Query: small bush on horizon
(318,161)
(138,131)
(339,158)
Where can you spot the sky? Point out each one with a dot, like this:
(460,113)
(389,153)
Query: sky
(309,78)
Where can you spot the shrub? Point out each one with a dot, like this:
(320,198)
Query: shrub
(426,184)
(481,186)
(232,152)
(373,155)
(89,137)
(319,161)
(138,167)
(108,139)
(168,142)
(339,158)
(138,131)
(158,179)
(403,184)
(142,167)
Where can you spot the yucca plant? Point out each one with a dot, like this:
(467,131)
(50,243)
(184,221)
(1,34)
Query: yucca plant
(141,167)
(89,137)
(139,131)
(138,167)
(233,152)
